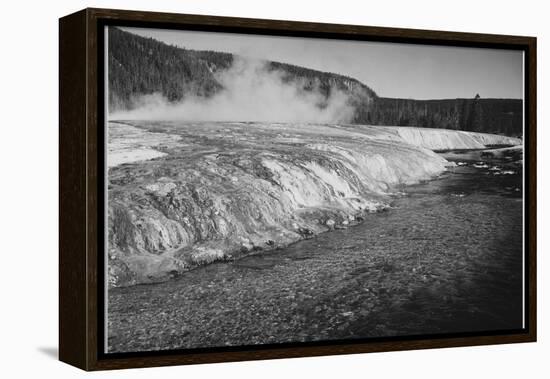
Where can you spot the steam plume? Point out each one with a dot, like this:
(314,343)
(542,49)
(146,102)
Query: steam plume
(250,92)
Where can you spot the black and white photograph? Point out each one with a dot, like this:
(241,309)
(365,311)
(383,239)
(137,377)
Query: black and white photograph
(270,190)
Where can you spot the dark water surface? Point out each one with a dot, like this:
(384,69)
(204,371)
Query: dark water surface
(447,257)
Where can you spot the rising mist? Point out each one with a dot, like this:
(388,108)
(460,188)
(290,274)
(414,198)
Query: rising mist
(251,92)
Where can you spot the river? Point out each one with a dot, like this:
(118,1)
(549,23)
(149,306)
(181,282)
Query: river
(445,258)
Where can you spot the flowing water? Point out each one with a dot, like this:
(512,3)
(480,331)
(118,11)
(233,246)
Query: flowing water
(446,257)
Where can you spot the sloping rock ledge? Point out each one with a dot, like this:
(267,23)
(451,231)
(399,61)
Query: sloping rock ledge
(217,191)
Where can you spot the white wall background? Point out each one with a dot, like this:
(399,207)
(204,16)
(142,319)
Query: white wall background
(28,201)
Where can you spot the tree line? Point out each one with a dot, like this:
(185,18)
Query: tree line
(140,66)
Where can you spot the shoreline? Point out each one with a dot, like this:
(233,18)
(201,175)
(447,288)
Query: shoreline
(203,203)
(400,264)
(235,255)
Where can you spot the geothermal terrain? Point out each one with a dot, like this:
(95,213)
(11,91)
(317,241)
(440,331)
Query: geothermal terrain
(317,227)
(186,194)
(257,233)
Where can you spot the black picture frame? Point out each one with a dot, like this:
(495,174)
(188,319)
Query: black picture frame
(81,199)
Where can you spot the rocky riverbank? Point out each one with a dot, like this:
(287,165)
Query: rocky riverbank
(216,191)
(445,258)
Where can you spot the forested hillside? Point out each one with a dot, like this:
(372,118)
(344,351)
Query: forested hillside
(500,116)
(139,66)
(142,66)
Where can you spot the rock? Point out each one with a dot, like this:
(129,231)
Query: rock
(211,196)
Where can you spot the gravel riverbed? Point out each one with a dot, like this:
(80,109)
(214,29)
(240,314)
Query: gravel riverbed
(446,257)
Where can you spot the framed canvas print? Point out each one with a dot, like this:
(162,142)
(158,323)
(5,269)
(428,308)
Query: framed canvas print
(238,189)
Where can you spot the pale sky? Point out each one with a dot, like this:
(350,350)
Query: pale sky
(390,69)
